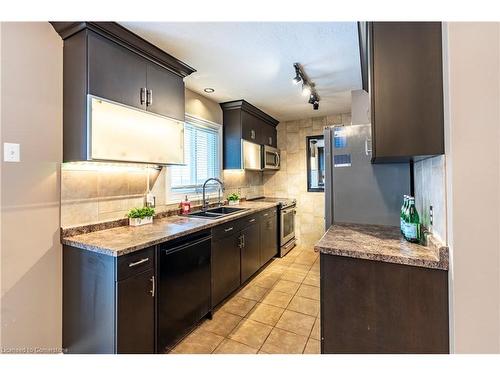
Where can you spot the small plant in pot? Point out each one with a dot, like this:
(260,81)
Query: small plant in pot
(140,216)
(233,199)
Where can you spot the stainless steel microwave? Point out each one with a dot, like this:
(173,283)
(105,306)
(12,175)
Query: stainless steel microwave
(271,158)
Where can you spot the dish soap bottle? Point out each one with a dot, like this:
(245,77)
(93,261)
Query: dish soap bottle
(185,206)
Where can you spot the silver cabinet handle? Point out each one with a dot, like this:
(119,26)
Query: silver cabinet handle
(138,262)
(143,95)
(278,159)
(152,291)
(266,214)
(251,220)
(252,134)
(270,141)
(228,229)
(149,97)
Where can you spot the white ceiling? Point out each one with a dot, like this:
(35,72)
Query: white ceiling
(254,61)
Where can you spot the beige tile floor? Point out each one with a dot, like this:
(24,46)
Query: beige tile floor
(277,312)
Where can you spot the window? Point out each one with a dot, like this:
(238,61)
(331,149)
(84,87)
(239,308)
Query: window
(202,153)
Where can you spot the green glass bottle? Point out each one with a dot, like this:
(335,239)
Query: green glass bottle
(402,214)
(412,232)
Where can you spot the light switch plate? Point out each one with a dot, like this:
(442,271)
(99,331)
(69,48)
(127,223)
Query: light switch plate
(11,152)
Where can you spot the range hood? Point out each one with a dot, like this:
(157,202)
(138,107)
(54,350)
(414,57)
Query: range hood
(116,132)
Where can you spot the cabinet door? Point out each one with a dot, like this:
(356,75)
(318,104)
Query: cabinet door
(250,251)
(407,95)
(268,237)
(372,307)
(250,128)
(115,73)
(225,267)
(135,314)
(166,91)
(268,135)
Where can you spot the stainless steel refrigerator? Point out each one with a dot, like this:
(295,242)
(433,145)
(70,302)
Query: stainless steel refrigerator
(357,191)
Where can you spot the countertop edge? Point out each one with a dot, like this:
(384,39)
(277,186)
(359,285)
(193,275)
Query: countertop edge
(207,224)
(441,254)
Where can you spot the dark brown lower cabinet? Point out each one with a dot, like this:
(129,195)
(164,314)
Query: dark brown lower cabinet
(136,311)
(225,264)
(250,251)
(377,307)
(108,302)
(239,249)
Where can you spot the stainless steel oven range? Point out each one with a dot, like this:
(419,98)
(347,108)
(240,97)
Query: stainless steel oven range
(286,223)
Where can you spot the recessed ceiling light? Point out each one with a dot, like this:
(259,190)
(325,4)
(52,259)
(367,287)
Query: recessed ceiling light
(209,90)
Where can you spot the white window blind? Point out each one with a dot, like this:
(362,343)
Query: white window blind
(202,157)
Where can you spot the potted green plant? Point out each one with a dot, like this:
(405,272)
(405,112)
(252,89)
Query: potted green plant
(233,199)
(140,216)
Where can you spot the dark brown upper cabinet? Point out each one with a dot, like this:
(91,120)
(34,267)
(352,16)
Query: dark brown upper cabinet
(243,121)
(402,70)
(106,60)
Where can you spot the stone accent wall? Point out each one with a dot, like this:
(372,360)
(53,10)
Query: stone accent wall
(291,180)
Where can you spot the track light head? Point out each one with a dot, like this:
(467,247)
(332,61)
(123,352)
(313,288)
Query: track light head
(312,98)
(316,105)
(298,75)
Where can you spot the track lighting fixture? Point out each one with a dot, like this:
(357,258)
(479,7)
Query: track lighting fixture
(308,88)
(297,78)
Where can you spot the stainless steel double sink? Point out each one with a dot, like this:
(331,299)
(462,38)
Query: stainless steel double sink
(217,212)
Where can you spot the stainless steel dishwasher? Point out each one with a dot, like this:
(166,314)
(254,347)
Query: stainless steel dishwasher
(183,287)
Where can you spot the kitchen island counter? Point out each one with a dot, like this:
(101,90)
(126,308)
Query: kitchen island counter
(381,243)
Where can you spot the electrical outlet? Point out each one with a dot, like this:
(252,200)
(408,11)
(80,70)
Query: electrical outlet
(11,152)
(431,215)
(150,200)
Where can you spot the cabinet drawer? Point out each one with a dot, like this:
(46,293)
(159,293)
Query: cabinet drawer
(227,229)
(268,213)
(132,264)
(250,220)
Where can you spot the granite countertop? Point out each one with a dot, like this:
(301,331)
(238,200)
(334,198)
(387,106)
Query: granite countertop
(126,239)
(381,243)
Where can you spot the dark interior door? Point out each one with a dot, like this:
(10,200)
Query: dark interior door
(135,315)
(250,251)
(115,73)
(167,90)
(268,239)
(225,267)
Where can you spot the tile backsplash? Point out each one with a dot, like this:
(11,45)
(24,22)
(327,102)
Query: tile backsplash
(98,193)
(91,194)
(430,190)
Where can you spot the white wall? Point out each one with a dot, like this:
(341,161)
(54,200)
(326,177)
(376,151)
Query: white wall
(472,124)
(31,101)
